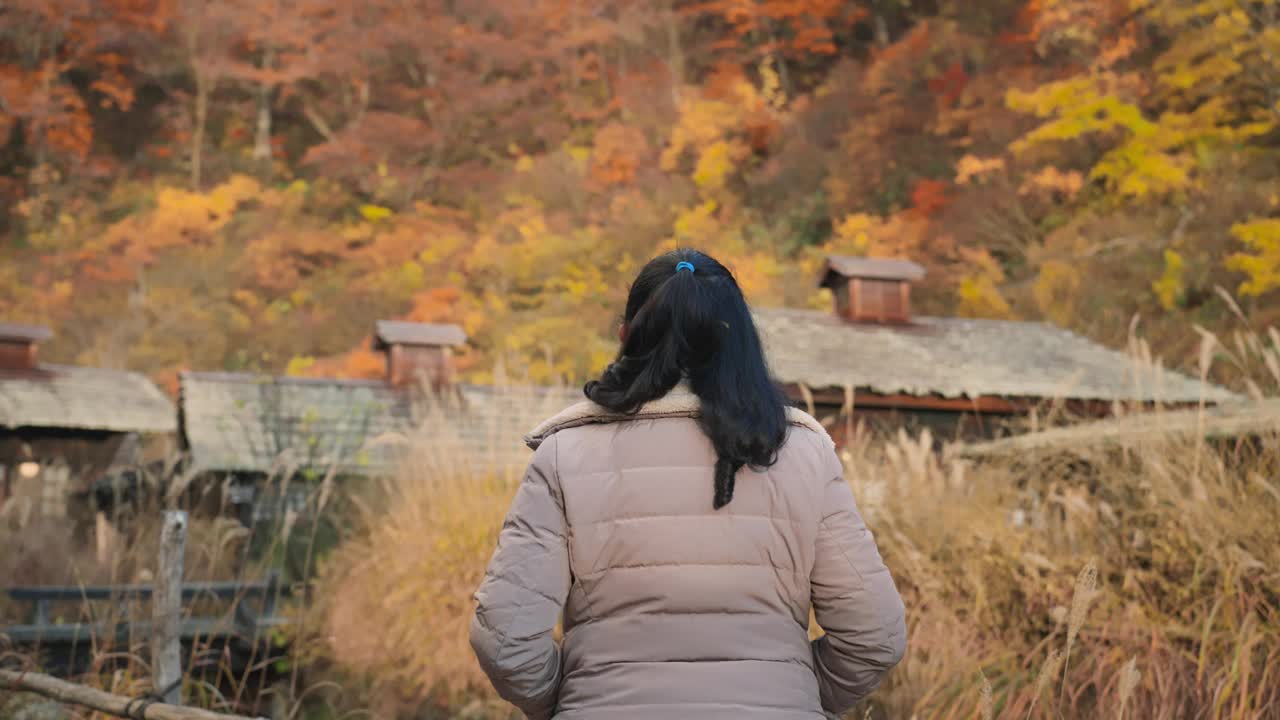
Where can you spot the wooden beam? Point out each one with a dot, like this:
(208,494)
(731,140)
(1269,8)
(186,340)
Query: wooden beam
(166,609)
(94,699)
(862,398)
(223,589)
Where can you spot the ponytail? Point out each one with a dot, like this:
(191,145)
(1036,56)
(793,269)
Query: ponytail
(687,318)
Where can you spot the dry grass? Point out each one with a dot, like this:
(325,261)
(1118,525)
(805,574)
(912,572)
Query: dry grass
(394,601)
(1137,584)
(1145,581)
(1133,583)
(989,559)
(42,551)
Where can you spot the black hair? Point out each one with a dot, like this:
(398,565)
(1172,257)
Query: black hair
(696,325)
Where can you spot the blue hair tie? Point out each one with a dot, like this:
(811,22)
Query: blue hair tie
(683,265)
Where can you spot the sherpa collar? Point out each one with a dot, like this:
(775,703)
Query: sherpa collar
(680,402)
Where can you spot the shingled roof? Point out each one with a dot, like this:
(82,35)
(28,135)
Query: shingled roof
(882,269)
(28,333)
(1237,419)
(235,422)
(962,357)
(398,332)
(82,398)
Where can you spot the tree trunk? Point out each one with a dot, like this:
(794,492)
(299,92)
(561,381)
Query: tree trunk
(881,30)
(197,132)
(675,53)
(262,131)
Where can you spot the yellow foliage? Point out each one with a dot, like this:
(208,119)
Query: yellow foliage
(1218,59)
(1170,286)
(580,281)
(61,292)
(697,224)
(715,164)
(374,213)
(704,121)
(181,212)
(853,234)
(903,235)
(1055,290)
(979,291)
(581,156)
(556,347)
(757,274)
(299,365)
(771,85)
(1152,158)
(979,297)
(1262,265)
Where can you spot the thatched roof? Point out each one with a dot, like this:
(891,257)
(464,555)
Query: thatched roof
(246,423)
(963,357)
(1238,419)
(62,396)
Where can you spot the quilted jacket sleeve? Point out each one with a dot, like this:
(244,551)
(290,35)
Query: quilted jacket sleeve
(854,601)
(523,594)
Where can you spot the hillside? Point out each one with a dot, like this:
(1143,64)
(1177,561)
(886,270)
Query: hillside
(247,185)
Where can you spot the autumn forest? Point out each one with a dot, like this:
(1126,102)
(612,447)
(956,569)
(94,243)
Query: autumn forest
(248,184)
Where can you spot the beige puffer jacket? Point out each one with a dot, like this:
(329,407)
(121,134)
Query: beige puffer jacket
(672,609)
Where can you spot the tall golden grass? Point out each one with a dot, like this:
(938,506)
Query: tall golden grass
(394,601)
(1142,583)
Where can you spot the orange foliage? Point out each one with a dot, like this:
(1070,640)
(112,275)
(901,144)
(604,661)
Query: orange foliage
(506,166)
(617,155)
(794,28)
(929,197)
(360,363)
(436,305)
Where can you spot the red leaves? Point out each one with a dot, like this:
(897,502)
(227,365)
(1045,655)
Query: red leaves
(792,28)
(950,84)
(929,197)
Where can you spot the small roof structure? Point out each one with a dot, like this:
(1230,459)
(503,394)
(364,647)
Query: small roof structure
(963,358)
(399,332)
(849,266)
(235,422)
(24,333)
(1237,419)
(83,398)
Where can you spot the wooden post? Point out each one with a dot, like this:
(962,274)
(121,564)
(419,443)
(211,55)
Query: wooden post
(166,609)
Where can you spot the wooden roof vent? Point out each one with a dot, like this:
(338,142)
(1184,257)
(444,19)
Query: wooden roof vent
(418,351)
(19,344)
(871,290)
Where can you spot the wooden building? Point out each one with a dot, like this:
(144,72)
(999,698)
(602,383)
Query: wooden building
(872,359)
(248,434)
(63,427)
